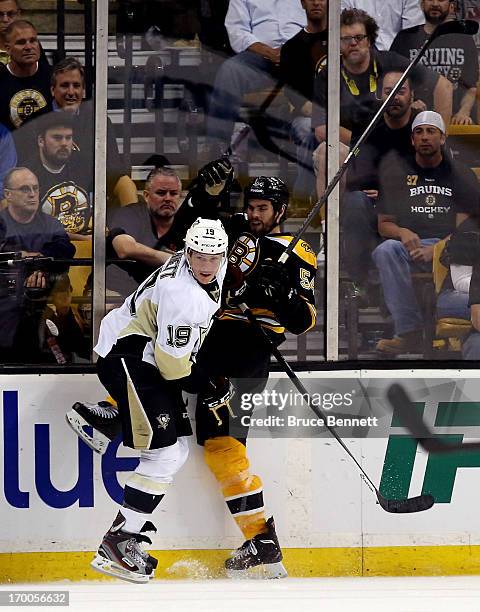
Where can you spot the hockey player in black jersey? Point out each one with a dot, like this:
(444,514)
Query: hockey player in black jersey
(282,298)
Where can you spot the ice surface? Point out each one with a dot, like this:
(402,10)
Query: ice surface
(439,594)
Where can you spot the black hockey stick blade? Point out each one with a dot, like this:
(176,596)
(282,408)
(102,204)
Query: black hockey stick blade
(405,506)
(456,26)
(405,410)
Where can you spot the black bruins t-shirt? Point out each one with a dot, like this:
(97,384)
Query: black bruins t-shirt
(454,56)
(426,200)
(67,195)
(22,97)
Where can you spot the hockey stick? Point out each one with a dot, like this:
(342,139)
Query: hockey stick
(412,504)
(405,409)
(448,27)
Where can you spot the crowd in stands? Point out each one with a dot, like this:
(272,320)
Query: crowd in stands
(403,193)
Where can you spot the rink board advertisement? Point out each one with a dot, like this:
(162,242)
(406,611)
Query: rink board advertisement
(58,497)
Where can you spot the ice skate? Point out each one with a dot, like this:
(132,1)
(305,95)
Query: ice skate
(260,557)
(104,419)
(120,554)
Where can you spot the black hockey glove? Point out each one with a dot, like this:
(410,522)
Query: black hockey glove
(273,282)
(216,177)
(219,394)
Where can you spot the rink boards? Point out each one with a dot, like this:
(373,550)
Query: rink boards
(58,497)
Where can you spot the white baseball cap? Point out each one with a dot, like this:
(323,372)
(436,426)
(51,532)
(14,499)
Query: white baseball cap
(429,118)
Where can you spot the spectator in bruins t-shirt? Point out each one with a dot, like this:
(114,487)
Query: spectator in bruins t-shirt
(454,55)
(422,199)
(66,183)
(24,82)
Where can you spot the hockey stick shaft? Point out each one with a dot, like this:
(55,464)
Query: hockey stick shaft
(404,408)
(416,504)
(356,149)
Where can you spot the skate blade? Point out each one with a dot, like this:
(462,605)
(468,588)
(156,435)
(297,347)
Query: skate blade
(98,442)
(267,571)
(110,568)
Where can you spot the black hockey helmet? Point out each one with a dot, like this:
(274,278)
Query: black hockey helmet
(269,188)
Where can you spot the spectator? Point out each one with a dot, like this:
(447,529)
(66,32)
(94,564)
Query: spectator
(391,16)
(25,229)
(421,200)
(471,346)
(25,82)
(358,213)
(300,59)
(148,231)
(257,29)
(454,55)
(9,11)
(68,90)
(362,66)
(66,184)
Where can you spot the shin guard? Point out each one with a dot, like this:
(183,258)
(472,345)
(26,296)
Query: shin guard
(243,492)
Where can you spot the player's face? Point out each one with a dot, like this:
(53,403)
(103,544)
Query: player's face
(23,46)
(436,11)
(354,52)
(427,140)
(22,193)
(56,145)
(68,90)
(402,101)
(9,11)
(204,267)
(163,196)
(315,9)
(261,217)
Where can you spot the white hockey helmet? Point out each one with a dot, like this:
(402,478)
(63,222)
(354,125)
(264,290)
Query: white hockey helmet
(207,236)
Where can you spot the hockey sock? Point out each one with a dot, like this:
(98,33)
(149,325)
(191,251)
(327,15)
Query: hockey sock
(243,492)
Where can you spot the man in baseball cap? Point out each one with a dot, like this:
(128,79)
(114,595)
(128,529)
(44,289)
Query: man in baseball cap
(421,200)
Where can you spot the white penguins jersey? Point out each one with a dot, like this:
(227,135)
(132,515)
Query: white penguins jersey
(170,308)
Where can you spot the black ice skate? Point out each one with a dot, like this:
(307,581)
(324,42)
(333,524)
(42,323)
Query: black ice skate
(260,557)
(120,554)
(104,419)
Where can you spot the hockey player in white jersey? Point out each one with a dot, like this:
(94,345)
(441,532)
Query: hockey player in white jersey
(146,354)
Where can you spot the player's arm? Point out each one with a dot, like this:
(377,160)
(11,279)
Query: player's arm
(289,289)
(213,183)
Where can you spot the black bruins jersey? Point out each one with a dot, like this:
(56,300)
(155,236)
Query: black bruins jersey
(247,252)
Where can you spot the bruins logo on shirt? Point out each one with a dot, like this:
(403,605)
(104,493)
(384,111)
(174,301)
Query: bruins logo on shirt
(245,253)
(70,204)
(24,104)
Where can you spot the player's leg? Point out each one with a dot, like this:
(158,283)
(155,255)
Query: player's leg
(153,421)
(226,452)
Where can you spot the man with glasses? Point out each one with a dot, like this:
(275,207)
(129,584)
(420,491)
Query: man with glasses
(27,231)
(362,67)
(391,16)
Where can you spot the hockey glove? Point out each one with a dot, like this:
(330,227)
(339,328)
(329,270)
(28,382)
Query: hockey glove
(273,282)
(219,394)
(216,177)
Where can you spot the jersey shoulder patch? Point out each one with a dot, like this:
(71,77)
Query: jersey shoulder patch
(302,249)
